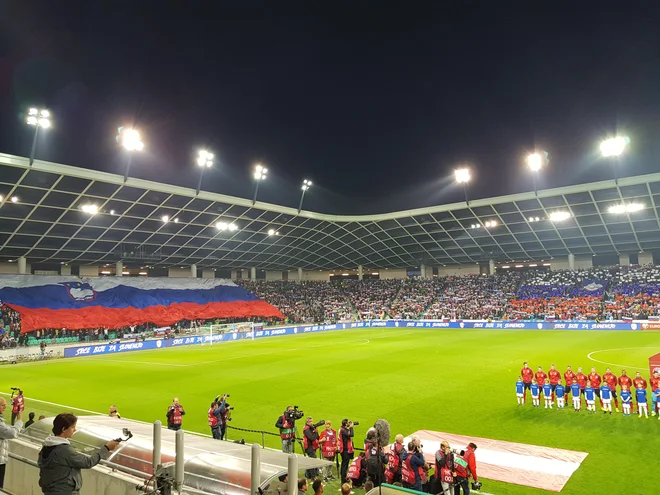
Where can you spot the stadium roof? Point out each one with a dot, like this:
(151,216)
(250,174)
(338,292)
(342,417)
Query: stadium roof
(46,224)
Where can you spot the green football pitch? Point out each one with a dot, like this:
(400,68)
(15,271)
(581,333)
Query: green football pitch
(453,381)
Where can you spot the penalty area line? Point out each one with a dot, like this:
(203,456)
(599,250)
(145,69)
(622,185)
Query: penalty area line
(590,357)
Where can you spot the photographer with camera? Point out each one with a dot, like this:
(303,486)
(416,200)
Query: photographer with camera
(175,415)
(311,442)
(225,415)
(345,447)
(17,403)
(393,471)
(60,464)
(414,468)
(376,461)
(213,416)
(466,467)
(329,447)
(444,468)
(286,423)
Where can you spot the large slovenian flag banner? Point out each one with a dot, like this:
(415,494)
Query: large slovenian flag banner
(112,302)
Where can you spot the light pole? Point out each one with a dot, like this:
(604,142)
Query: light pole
(305,185)
(535,162)
(613,148)
(37,118)
(462,176)
(204,160)
(131,141)
(259,175)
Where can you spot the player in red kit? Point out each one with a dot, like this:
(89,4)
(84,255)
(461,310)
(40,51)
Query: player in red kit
(637,381)
(626,381)
(555,377)
(527,376)
(596,380)
(654,383)
(540,377)
(568,377)
(611,380)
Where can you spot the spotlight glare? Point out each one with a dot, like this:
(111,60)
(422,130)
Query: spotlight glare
(271,231)
(131,140)
(535,161)
(45,114)
(204,159)
(614,146)
(559,216)
(45,123)
(32,120)
(112,212)
(232,227)
(176,220)
(14,199)
(462,175)
(165,218)
(221,225)
(625,208)
(33,111)
(90,209)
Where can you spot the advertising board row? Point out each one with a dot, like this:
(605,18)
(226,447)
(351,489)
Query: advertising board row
(114,348)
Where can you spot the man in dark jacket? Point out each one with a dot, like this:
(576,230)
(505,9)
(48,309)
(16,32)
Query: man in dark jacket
(60,464)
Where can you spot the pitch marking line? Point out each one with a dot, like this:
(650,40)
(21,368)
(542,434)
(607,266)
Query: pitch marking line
(589,356)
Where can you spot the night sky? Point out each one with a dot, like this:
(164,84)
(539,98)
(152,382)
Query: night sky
(376,102)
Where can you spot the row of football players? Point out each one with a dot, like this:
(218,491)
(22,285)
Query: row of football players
(590,386)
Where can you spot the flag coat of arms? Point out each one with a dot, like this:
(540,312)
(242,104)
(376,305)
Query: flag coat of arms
(112,302)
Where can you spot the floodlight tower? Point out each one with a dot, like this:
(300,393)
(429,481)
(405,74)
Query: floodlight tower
(38,118)
(131,141)
(305,186)
(204,160)
(536,161)
(259,174)
(614,147)
(462,176)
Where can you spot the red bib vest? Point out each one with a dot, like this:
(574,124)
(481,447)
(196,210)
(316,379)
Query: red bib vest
(329,443)
(213,421)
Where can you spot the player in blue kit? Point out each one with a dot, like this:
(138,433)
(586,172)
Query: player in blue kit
(559,392)
(606,397)
(535,394)
(575,393)
(547,395)
(642,404)
(590,397)
(520,391)
(626,400)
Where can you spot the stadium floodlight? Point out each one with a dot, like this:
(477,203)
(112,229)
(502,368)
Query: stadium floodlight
(221,225)
(559,216)
(39,118)
(535,161)
(271,231)
(625,208)
(614,146)
(131,141)
(14,199)
(490,224)
(305,186)
(112,212)
(259,174)
(90,209)
(462,176)
(232,227)
(165,218)
(176,220)
(204,160)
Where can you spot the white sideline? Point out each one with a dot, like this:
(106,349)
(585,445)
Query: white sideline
(618,349)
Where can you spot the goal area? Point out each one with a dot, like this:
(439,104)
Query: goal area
(213,332)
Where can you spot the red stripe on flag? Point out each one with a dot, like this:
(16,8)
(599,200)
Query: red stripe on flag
(98,316)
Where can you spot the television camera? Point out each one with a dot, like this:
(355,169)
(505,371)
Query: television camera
(294,415)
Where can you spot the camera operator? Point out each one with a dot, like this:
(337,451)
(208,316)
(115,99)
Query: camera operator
(175,415)
(346,449)
(444,468)
(213,416)
(225,409)
(393,471)
(287,426)
(414,468)
(466,466)
(329,447)
(311,443)
(17,405)
(376,462)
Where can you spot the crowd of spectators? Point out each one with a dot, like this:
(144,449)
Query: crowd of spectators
(595,294)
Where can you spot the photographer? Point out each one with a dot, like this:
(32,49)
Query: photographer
(17,404)
(60,464)
(287,426)
(346,449)
(311,443)
(376,462)
(414,468)
(466,466)
(444,468)
(213,416)
(393,471)
(175,415)
(224,409)
(329,444)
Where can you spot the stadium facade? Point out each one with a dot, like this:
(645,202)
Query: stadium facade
(59,219)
